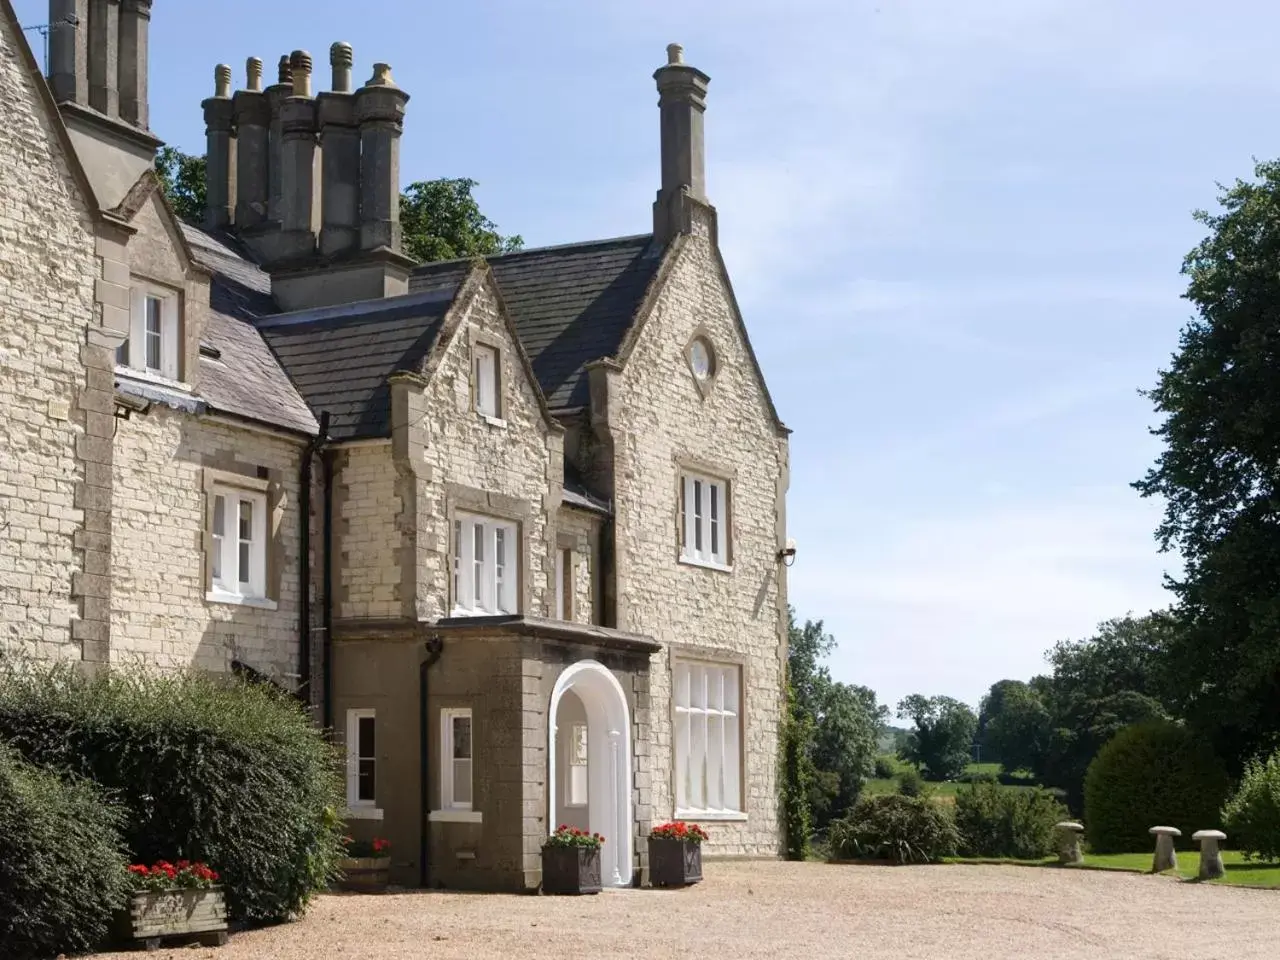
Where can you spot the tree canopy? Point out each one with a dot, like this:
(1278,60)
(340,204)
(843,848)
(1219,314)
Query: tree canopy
(1219,473)
(439,219)
(942,735)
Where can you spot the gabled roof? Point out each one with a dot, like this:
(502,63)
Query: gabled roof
(340,357)
(571,305)
(243,379)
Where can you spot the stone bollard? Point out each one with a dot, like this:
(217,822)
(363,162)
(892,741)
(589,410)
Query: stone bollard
(1166,856)
(1210,855)
(1069,842)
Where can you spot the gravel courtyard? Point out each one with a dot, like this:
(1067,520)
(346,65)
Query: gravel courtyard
(773,909)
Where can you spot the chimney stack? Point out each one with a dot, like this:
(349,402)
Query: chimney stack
(276,93)
(253,125)
(220,152)
(298,162)
(339,159)
(98,56)
(380,113)
(682,100)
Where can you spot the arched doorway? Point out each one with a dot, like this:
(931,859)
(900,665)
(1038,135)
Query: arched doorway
(589,767)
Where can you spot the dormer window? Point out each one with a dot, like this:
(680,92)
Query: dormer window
(486,380)
(152,345)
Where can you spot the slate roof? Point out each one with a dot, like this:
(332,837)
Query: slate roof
(571,305)
(244,379)
(340,357)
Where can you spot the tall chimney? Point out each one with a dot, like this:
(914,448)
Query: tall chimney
(339,159)
(253,124)
(276,94)
(104,56)
(135,26)
(220,152)
(298,162)
(682,100)
(380,112)
(69,50)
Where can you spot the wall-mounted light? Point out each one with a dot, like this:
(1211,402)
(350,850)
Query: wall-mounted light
(788,554)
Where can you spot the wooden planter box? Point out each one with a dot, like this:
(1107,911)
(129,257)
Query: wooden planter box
(157,915)
(674,863)
(365,874)
(571,870)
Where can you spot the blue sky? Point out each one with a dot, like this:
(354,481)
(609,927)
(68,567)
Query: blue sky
(954,228)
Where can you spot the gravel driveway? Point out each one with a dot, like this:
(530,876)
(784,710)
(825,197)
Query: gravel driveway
(800,910)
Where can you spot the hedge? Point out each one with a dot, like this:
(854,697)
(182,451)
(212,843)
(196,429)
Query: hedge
(895,828)
(62,865)
(995,821)
(1151,774)
(207,769)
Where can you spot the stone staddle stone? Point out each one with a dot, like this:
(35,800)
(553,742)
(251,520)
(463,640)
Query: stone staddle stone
(1166,857)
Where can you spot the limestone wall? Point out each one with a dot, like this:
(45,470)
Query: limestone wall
(47,268)
(160,613)
(660,419)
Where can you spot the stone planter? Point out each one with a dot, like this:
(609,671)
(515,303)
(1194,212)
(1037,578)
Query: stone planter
(674,863)
(570,870)
(153,916)
(364,874)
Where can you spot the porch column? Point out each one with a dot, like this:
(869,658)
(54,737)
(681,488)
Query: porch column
(619,809)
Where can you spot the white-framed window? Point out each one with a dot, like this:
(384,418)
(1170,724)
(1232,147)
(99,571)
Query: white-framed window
(153,342)
(238,560)
(362,763)
(708,739)
(486,380)
(485,566)
(564,584)
(577,765)
(456,758)
(704,530)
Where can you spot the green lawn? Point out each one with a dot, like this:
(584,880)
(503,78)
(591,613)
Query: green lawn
(944,791)
(1239,871)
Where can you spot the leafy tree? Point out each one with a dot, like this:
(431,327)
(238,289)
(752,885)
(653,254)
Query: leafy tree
(1019,732)
(1219,473)
(439,219)
(797,780)
(942,736)
(991,706)
(1126,654)
(442,221)
(183,178)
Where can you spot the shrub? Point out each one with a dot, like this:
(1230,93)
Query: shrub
(896,828)
(62,866)
(1150,774)
(885,768)
(212,770)
(1251,817)
(911,783)
(978,776)
(996,822)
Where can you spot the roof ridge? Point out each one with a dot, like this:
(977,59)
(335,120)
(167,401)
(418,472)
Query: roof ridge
(549,248)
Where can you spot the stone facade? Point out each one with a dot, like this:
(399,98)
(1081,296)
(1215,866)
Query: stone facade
(160,614)
(661,421)
(47,271)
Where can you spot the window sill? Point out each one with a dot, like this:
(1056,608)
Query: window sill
(148,376)
(235,599)
(362,813)
(493,421)
(455,816)
(707,564)
(460,612)
(722,816)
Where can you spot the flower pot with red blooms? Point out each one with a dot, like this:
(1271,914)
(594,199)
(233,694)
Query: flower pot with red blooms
(367,865)
(675,854)
(571,861)
(174,900)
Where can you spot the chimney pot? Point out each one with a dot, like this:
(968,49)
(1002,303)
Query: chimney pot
(300,64)
(253,70)
(222,81)
(381,76)
(675,53)
(341,59)
(285,70)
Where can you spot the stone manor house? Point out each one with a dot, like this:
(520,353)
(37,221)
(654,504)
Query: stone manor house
(514,527)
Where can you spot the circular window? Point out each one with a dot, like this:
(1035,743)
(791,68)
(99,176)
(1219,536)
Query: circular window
(701,359)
